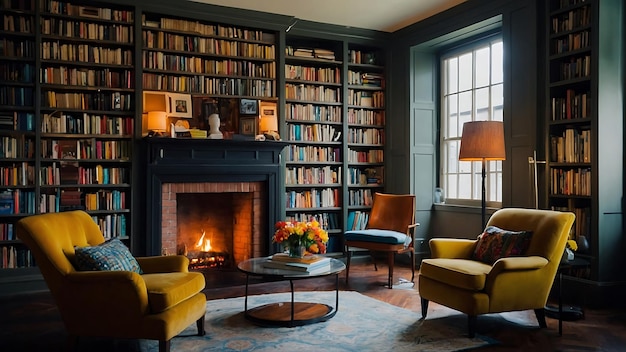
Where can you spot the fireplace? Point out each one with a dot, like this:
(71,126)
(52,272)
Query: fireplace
(227,190)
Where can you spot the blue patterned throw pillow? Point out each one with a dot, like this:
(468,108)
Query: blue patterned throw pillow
(111,255)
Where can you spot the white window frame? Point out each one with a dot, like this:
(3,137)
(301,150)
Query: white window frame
(455,174)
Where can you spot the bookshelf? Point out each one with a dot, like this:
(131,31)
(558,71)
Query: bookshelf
(314,123)
(17,136)
(204,58)
(580,120)
(366,134)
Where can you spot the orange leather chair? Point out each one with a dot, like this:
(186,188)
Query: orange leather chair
(390,228)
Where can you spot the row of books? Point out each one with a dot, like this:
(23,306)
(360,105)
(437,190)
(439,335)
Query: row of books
(312,93)
(573,146)
(15,257)
(203,29)
(370,156)
(17,48)
(317,74)
(59,122)
(357,220)
(16,96)
(366,98)
(360,197)
(315,198)
(17,121)
(362,57)
(309,264)
(88,101)
(313,133)
(64,8)
(207,46)
(366,79)
(70,76)
(17,23)
(111,225)
(328,221)
(318,53)
(69,173)
(312,175)
(572,106)
(571,182)
(18,202)
(85,53)
(310,112)
(87,30)
(86,149)
(206,85)
(366,135)
(366,117)
(20,147)
(368,176)
(156,60)
(18,174)
(309,153)
(17,72)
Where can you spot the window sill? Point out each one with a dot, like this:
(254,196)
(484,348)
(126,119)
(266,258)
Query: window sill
(467,209)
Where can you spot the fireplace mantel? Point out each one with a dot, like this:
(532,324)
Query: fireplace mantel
(172,160)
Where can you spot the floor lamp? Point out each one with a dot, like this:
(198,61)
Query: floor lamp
(482,141)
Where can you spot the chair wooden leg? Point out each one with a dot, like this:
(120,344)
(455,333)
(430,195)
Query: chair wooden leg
(424,307)
(390,258)
(164,346)
(471,326)
(200,325)
(412,254)
(348,263)
(541,317)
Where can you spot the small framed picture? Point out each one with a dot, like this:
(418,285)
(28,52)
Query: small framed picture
(179,105)
(248,107)
(247,126)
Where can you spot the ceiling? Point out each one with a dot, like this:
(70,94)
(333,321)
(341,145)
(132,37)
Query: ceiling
(385,15)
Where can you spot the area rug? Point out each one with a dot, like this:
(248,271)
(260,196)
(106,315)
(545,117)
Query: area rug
(361,324)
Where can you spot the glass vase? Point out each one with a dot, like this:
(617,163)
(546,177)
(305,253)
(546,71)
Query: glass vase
(296,251)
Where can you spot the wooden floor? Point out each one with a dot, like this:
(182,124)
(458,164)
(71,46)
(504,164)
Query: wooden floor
(32,322)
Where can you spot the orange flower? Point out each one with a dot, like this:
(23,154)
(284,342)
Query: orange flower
(300,233)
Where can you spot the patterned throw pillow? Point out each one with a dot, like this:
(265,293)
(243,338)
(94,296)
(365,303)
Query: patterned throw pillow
(111,255)
(496,243)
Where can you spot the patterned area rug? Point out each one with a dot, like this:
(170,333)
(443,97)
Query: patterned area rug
(361,324)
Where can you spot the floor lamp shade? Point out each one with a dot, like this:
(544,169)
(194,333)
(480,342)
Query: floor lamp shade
(482,141)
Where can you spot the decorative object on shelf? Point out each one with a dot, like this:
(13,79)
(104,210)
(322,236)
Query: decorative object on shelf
(482,141)
(247,126)
(214,127)
(248,107)
(179,105)
(299,234)
(157,123)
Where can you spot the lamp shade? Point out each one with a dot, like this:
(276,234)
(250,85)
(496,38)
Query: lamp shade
(268,123)
(482,140)
(157,120)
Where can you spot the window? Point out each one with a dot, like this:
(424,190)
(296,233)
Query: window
(471,90)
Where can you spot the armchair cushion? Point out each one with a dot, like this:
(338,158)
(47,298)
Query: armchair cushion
(379,236)
(111,255)
(496,243)
(168,289)
(462,273)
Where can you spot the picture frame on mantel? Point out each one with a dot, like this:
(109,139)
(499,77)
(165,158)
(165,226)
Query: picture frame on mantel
(248,126)
(248,107)
(179,105)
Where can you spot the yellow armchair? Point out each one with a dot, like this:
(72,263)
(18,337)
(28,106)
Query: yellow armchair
(156,305)
(454,279)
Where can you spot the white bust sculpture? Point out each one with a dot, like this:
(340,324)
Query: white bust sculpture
(214,127)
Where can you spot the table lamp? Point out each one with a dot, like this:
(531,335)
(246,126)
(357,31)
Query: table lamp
(157,123)
(482,141)
(268,125)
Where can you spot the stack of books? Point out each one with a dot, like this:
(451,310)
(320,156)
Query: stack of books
(308,264)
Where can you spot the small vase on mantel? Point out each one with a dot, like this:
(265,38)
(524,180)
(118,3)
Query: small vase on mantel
(296,251)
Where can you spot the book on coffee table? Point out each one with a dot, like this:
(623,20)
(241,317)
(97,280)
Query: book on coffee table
(301,264)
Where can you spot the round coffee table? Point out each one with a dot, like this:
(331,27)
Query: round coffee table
(289,314)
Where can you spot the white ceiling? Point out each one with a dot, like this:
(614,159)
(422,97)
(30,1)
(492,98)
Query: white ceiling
(382,15)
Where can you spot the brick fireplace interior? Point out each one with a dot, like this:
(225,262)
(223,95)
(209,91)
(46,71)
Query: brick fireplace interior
(215,224)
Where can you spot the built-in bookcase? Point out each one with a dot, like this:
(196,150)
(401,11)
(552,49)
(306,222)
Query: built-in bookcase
(314,123)
(365,139)
(584,173)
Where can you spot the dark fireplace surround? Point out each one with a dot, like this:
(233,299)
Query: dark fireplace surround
(192,165)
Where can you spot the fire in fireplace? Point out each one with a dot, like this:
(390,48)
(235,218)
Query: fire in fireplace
(203,256)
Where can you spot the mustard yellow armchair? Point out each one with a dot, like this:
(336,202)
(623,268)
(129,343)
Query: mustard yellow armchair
(157,304)
(454,277)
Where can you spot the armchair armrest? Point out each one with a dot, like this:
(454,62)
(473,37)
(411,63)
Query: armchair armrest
(164,264)
(518,263)
(451,247)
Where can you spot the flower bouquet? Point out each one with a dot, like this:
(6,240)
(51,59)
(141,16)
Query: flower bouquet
(301,238)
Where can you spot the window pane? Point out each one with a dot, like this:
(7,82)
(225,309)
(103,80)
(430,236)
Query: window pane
(465,72)
(496,67)
(497,102)
(451,186)
(478,182)
(465,109)
(453,118)
(452,158)
(465,186)
(465,166)
(482,105)
(482,67)
(452,75)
